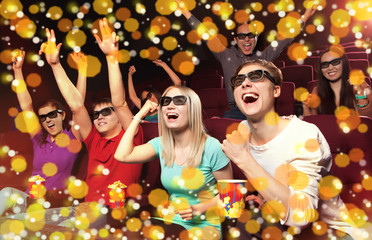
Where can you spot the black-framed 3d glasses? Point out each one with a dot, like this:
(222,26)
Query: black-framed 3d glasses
(242,36)
(104,111)
(177,100)
(253,76)
(52,114)
(334,62)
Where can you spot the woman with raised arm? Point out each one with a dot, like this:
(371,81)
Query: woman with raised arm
(149,93)
(51,115)
(183,146)
(335,88)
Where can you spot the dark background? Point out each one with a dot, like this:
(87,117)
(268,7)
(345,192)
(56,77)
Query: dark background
(147,72)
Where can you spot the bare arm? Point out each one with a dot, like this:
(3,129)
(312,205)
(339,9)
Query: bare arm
(175,79)
(132,92)
(182,7)
(81,61)
(24,97)
(125,152)
(68,90)
(110,47)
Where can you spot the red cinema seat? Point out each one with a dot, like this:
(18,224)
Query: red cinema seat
(300,75)
(285,103)
(214,101)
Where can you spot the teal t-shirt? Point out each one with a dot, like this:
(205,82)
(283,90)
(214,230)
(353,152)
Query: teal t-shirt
(153,118)
(193,184)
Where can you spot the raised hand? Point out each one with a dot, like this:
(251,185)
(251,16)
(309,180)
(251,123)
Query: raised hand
(50,49)
(80,59)
(148,107)
(309,12)
(109,44)
(18,58)
(159,63)
(132,70)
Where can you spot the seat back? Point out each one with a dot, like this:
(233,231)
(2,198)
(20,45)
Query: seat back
(285,103)
(355,146)
(300,75)
(213,100)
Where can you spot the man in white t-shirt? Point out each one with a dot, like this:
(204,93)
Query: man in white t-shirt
(284,158)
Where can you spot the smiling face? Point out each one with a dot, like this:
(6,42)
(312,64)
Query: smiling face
(247,44)
(53,126)
(255,99)
(332,73)
(175,116)
(106,125)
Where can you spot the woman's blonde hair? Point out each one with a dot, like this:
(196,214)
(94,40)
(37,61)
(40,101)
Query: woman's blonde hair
(198,133)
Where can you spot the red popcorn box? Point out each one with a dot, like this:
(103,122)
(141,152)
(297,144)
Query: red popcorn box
(232,194)
(117,194)
(36,186)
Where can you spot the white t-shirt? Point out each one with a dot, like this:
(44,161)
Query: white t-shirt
(300,157)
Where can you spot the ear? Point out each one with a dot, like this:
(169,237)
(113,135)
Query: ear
(63,115)
(277,91)
(236,42)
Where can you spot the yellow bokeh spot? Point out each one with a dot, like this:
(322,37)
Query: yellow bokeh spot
(123,56)
(256,6)
(272,118)
(77,188)
(230,24)
(356,154)
(33,9)
(6,56)
(158,197)
(134,224)
(27,122)
(134,190)
(144,53)
(9,8)
(123,14)
(362,128)
(34,226)
(260,183)
(301,94)
(78,23)
(242,16)
(170,43)
(340,18)
(145,215)
(57,236)
(136,35)
(297,52)
(288,27)
(311,215)
(82,223)
(49,169)
(12,112)
(217,44)
(166,7)
(285,5)
(35,217)
(342,160)
(358,217)
(131,24)
(55,12)
(367,183)
(119,213)
(186,67)
(33,80)
(312,145)
(310,29)
(16,227)
(25,28)
(257,27)
(272,211)
(103,7)
(271,233)
(356,77)
(94,66)
(103,233)
(362,10)
(298,180)
(162,24)
(76,38)
(155,231)
(329,187)
(342,113)
(140,8)
(252,226)
(340,32)
(65,212)
(19,86)
(319,228)
(62,140)
(215,215)
(180,203)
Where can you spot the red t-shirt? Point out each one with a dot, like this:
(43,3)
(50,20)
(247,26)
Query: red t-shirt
(103,169)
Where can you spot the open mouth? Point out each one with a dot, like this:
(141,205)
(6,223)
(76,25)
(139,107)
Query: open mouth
(101,123)
(250,97)
(50,125)
(172,115)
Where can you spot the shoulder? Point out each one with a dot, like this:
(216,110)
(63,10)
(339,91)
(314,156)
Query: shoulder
(302,126)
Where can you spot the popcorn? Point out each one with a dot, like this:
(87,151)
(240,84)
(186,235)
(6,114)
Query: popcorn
(117,194)
(36,186)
